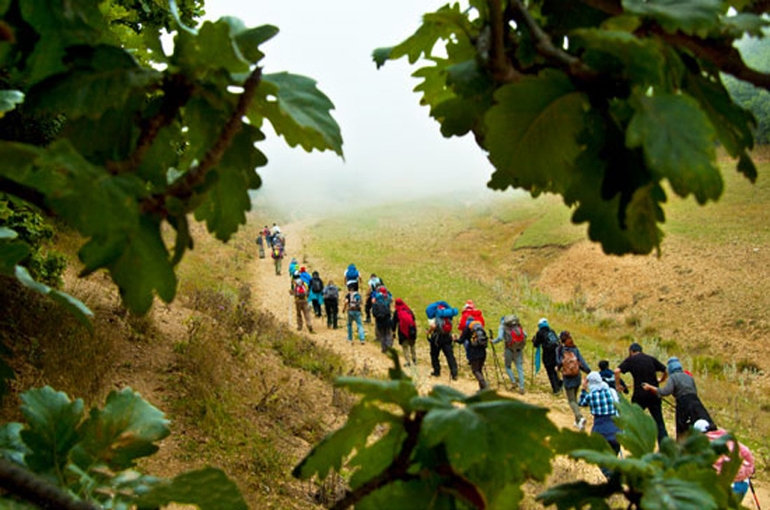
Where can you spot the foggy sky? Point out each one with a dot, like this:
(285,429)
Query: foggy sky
(392,148)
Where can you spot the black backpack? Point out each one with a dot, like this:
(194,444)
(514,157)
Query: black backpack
(551,340)
(479,337)
(316,285)
(380,309)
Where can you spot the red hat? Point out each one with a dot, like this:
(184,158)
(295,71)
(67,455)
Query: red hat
(469,304)
(383,290)
(302,269)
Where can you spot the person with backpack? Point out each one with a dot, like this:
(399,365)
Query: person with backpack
(608,376)
(600,398)
(515,338)
(316,297)
(276,253)
(352,306)
(439,334)
(689,407)
(475,340)
(571,362)
(644,369)
(546,339)
(405,326)
(293,267)
(352,277)
(268,237)
(374,283)
(261,245)
(469,312)
(383,329)
(331,295)
(299,290)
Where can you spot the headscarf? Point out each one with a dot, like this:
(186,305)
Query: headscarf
(595,382)
(542,323)
(673,365)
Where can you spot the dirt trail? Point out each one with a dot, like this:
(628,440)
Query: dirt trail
(368,360)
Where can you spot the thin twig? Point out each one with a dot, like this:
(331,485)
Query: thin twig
(30,487)
(502,68)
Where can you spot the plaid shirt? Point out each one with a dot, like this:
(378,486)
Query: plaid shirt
(600,402)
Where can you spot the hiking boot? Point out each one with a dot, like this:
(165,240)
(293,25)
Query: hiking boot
(434,374)
(454,377)
(521,391)
(581,424)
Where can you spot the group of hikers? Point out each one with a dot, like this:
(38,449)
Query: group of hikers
(558,353)
(275,241)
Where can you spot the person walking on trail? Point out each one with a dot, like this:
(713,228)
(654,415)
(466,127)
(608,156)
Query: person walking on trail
(293,267)
(742,480)
(644,369)
(352,306)
(383,329)
(475,340)
(608,376)
(316,293)
(546,339)
(515,338)
(689,407)
(300,291)
(374,283)
(571,363)
(276,252)
(439,335)
(331,295)
(268,237)
(405,326)
(469,312)
(352,277)
(600,398)
(261,245)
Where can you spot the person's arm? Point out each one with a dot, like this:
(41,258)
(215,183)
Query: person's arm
(500,333)
(617,379)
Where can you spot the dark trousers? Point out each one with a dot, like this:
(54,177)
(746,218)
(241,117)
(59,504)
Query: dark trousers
(368,307)
(332,310)
(477,368)
(553,377)
(446,348)
(653,405)
(316,307)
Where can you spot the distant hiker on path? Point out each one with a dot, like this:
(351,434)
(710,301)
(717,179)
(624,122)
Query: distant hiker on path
(600,399)
(300,291)
(440,336)
(268,236)
(689,407)
(644,369)
(374,283)
(515,338)
(352,277)
(469,312)
(352,306)
(571,363)
(261,245)
(293,267)
(405,327)
(383,329)
(316,293)
(475,340)
(331,295)
(608,376)
(546,339)
(276,253)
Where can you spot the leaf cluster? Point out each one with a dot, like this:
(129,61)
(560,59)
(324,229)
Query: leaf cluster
(91,457)
(599,101)
(145,141)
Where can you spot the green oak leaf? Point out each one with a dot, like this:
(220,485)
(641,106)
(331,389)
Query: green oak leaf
(248,40)
(98,79)
(7,234)
(227,200)
(52,428)
(124,430)
(107,138)
(568,441)
(334,449)
(207,489)
(433,84)
(11,253)
(569,15)
(399,392)
(375,458)
(464,113)
(9,99)
(72,305)
(12,447)
(80,23)
(643,62)
(202,52)
(411,495)
(298,111)
(577,495)
(678,142)
(537,112)
(693,17)
(674,493)
(630,467)
(638,431)
(744,23)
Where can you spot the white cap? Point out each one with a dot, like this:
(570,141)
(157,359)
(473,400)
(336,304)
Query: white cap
(701,425)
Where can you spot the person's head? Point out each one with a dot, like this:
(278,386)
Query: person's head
(594,381)
(634,348)
(382,290)
(330,282)
(399,302)
(469,305)
(302,269)
(565,336)
(315,273)
(673,365)
(373,276)
(542,323)
(604,364)
(703,425)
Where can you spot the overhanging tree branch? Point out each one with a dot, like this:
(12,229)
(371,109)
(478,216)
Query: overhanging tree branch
(25,484)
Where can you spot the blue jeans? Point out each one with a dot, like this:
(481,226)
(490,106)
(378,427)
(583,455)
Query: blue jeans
(517,358)
(355,316)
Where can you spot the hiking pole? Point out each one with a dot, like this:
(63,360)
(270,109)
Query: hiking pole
(497,365)
(754,493)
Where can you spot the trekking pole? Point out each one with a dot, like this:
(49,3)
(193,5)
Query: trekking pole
(754,493)
(498,370)
(532,377)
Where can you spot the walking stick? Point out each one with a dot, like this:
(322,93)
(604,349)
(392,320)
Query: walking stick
(498,370)
(532,378)
(754,493)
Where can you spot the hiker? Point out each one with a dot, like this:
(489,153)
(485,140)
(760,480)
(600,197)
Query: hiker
(306,277)
(547,339)
(372,285)
(608,376)
(299,290)
(261,245)
(383,329)
(689,407)
(515,338)
(268,237)
(352,277)
(276,253)
(469,312)
(571,363)
(475,340)
(293,267)
(644,369)
(352,306)
(331,296)
(600,398)
(316,295)
(742,480)
(278,235)
(439,334)
(405,326)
